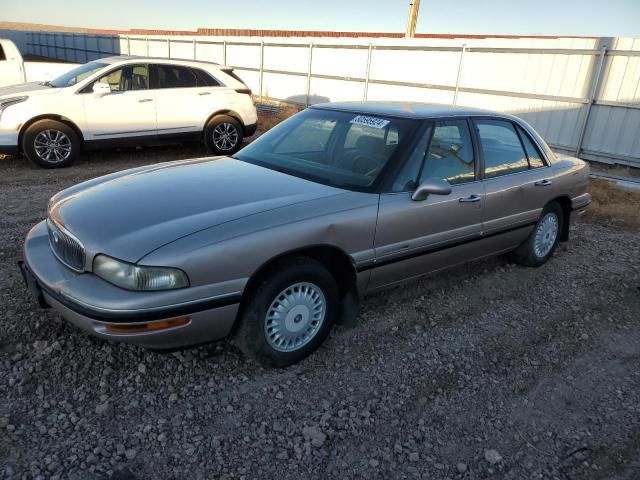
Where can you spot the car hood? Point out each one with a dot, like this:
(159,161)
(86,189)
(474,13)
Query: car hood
(31,88)
(129,214)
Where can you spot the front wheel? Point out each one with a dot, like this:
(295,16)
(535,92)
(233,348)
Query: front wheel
(223,135)
(544,239)
(51,144)
(289,314)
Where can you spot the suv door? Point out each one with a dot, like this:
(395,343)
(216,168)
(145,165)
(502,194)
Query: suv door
(128,111)
(516,178)
(183,97)
(417,237)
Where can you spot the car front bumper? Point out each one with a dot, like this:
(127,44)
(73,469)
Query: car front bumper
(160,326)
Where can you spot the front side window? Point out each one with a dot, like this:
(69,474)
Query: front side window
(450,153)
(174,76)
(325,146)
(127,78)
(77,75)
(501,148)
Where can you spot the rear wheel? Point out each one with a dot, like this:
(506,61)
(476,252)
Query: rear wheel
(51,144)
(289,314)
(223,135)
(544,239)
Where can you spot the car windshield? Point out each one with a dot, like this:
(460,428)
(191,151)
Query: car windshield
(77,74)
(343,149)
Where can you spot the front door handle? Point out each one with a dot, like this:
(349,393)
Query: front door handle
(144,100)
(470,199)
(543,183)
(204,93)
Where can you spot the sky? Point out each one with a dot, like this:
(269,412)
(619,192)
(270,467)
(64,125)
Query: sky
(518,17)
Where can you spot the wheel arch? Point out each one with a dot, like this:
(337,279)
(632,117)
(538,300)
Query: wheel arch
(339,264)
(224,111)
(51,116)
(565,204)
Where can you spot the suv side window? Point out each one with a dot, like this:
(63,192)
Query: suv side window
(501,148)
(173,76)
(127,78)
(204,79)
(532,150)
(450,153)
(2,55)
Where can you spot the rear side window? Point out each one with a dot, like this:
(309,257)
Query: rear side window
(2,55)
(533,153)
(501,148)
(232,74)
(204,79)
(173,76)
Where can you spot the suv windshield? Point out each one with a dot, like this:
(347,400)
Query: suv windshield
(342,149)
(77,74)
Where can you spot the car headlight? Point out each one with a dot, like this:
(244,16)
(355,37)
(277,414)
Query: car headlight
(7,102)
(134,277)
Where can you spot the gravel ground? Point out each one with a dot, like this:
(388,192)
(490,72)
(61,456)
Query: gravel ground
(487,371)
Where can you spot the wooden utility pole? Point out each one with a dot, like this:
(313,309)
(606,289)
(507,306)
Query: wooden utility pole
(414,6)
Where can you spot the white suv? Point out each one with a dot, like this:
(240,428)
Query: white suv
(120,101)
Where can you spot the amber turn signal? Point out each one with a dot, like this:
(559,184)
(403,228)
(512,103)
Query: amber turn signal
(146,327)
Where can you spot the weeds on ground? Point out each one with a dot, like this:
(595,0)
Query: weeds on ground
(613,206)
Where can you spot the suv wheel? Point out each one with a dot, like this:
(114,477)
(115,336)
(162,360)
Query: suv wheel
(223,135)
(289,314)
(51,144)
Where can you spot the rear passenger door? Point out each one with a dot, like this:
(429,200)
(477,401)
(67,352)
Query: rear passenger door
(516,178)
(183,97)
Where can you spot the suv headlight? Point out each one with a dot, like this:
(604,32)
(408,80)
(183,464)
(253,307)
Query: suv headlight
(7,102)
(134,277)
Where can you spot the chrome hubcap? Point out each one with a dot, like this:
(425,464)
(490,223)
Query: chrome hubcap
(295,317)
(546,234)
(225,136)
(52,146)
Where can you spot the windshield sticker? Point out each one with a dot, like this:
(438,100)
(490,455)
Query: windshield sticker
(370,121)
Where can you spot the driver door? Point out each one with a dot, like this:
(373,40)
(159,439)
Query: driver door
(417,237)
(128,111)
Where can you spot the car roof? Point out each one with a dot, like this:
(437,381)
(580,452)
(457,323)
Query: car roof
(175,61)
(415,110)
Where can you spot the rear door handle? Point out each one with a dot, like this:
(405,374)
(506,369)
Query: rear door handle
(543,183)
(144,100)
(204,93)
(470,199)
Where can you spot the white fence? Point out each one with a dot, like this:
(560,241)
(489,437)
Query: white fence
(581,94)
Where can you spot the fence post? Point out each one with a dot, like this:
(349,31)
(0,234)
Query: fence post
(592,98)
(366,78)
(147,39)
(309,72)
(460,64)
(224,52)
(86,49)
(128,45)
(194,49)
(168,47)
(261,68)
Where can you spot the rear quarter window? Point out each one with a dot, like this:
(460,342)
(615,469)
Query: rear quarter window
(2,55)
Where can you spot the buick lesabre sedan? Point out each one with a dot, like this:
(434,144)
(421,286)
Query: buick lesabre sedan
(272,246)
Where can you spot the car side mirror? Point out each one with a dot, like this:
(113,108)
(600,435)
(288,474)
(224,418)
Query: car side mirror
(431,186)
(101,89)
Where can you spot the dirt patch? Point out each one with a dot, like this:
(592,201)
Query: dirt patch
(612,205)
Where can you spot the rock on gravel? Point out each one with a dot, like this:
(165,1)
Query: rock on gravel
(540,365)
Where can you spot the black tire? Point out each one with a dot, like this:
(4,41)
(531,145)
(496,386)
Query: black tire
(65,144)
(251,335)
(226,129)
(527,254)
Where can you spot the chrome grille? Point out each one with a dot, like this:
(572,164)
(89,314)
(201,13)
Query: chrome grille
(68,250)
